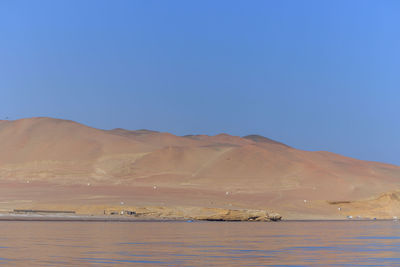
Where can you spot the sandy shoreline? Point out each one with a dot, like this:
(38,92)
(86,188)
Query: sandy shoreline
(97,218)
(80,218)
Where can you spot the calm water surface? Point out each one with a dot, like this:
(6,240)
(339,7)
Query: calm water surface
(364,243)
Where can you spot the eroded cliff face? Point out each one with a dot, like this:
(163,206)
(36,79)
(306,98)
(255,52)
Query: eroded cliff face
(384,206)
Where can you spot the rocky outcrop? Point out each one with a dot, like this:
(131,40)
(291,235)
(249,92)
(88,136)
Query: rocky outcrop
(124,211)
(195,213)
(238,215)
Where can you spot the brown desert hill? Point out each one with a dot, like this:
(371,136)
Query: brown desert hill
(148,167)
(261,139)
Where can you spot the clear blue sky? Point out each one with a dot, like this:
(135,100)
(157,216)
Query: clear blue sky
(317,75)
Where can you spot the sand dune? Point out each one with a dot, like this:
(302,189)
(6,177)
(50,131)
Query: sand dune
(221,170)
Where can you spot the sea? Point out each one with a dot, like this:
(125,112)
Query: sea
(286,243)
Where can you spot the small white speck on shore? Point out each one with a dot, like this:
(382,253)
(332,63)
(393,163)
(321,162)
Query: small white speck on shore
(154,187)
(122,203)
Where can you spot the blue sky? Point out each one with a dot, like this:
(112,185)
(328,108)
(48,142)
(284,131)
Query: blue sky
(317,75)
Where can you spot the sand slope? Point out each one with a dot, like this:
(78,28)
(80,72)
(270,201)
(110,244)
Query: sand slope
(221,170)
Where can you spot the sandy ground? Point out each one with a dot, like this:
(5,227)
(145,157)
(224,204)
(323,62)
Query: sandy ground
(57,164)
(93,200)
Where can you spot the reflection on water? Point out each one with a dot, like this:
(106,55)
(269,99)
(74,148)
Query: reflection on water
(372,243)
